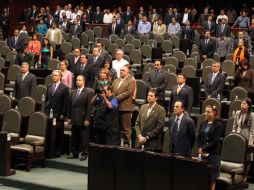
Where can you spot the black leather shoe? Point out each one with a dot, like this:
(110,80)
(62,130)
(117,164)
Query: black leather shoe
(82,156)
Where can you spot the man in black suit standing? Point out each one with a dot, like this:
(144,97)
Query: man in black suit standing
(83,68)
(209,25)
(187,38)
(75,29)
(57,101)
(207,46)
(74,60)
(114,28)
(128,15)
(16,42)
(130,29)
(223,28)
(169,15)
(181,131)
(158,79)
(80,109)
(24,83)
(98,16)
(215,82)
(181,92)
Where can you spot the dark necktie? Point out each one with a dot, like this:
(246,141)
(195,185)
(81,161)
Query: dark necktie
(53,90)
(78,93)
(175,131)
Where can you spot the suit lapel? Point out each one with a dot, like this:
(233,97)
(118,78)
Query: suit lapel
(152,112)
(181,124)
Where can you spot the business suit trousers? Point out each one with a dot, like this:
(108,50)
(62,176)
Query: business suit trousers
(59,136)
(125,124)
(79,139)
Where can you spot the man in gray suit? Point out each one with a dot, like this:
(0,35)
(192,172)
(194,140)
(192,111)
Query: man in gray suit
(24,83)
(80,113)
(181,131)
(150,123)
(158,80)
(215,82)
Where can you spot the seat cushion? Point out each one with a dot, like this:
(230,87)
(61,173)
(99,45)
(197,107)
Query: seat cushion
(226,178)
(29,139)
(27,148)
(229,166)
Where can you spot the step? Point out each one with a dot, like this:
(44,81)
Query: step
(45,178)
(62,163)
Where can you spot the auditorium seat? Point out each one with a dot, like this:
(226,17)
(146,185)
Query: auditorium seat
(146,52)
(90,35)
(66,48)
(75,42)
(172,80)
(39,93)
(189,71)
(214,102)
(176,43)
(191,61)
(113,38)
(152,43)
(144,39)
(229,126)
(207,62)
(128,38)
(148,67)
(48,80)
(120,43)
(4,51)
(2,62)
(233,107)
(172,61)
(2,83)
(84,40)
(136,43)
(97,33)
(179,55)
(53,64)
(159,39)
(128,48)
(13,71)
(66,37)
(141,93)
(170,68)
(196,56)
(238,91)
(167,48)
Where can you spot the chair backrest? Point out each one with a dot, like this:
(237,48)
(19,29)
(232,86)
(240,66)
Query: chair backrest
(11,121)
(113,38)
(5,103)
(97,31)
(128,48)
(196,38)
(2,44)
(66,47)
(144,38)
(37,124)
(53,64)
(189,71)
(201,119)
(229,126)
(127,58)
(90,35)
(234,149)
(2,62)
(167,46)
(234,106)
(146,51)
(84,50)
(48,80)
(207,62)
(128,38)
(105,42)
(13,71)
(148,67)
(216,57)
(67,37)
(191,61)
(196,56)
(141,89)
(38,92)
(136,43)
(195,49)
(169,68)
(26,106)
(10,55)
(172,61)
(152,43)
(207,70)
(172,80)
(68,56)
(179,55)
(1,82)
(175,42)
(145,76)
(120,43)
(136,56)
(75,42)
(214,102)
(4,50)
(239,92)
(159,39)
(228,67)
(84,40)
(166,36)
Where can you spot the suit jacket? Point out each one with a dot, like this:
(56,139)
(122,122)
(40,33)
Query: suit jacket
(151,125)
(190,17)
(158,81)
(186,135)
(72,65)
(131,31)
(98,18)
(227,30)
(223,47)
(207,49)
(216,87)
(94,69)
(190,34)
(162,30)
(85,72)
(76,33)
(24,88)
(212,27)
(58,102)
(19,44)
(185,95)
(66,28)
(80,107)
(127,17)
(211,143)
(58,35)
(117,29)
(168,18)
(124,93)
(103,54)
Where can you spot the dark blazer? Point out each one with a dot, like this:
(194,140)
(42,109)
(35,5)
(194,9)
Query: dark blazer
(158,81)
(227,30)
(151,126)
(19,45)
(59,101)
(216,87)
(208,49)
(76,33)
(131,31)
(185,95)
(168,18)
(190,18)
(94,69)
(212,27)
(211,144)
(72,65)
(68,26)
(85,72)
(24,88)
(98,18)
(117,29)
(186,135)
(127,17)
(80,107)
(190,34)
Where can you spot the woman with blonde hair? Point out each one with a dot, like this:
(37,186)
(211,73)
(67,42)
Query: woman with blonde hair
(66,74)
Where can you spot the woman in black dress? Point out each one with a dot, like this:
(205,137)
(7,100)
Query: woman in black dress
(208,141)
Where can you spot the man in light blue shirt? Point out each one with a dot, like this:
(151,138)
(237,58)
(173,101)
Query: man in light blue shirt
(144,27)
(174,27)
(242,21)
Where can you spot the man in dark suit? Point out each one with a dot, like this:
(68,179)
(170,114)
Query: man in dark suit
(103,54)
(24,82)
(75,29)
(114,28)
(16,42)
(181,131)
(181,92)
(65,25)
(128,15)
(74,60)
(158,79)
(96,62)
(215,82)
(150,123)
(83,68)
(169,15)
(209,25)
(130,29)
(80,109)
(98,16)
(57,101)
(207,46)
(223,27)
(187,38)
(186,15)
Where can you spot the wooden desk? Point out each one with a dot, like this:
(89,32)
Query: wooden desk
(103,26)
(5,156)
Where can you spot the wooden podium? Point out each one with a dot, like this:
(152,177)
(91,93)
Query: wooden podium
(5,156)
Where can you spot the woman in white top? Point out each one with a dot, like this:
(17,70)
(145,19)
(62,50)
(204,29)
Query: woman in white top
(244,124)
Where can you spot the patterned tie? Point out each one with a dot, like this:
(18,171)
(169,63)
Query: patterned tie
(78,93)
(53,89)
(178,89)
(175,131)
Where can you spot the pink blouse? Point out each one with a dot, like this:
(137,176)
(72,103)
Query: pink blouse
(67,78)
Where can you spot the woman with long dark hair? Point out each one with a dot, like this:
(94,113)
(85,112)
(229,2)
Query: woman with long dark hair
(46,53)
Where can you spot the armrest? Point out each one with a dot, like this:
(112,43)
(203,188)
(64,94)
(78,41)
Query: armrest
(238,171)
(36,143)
